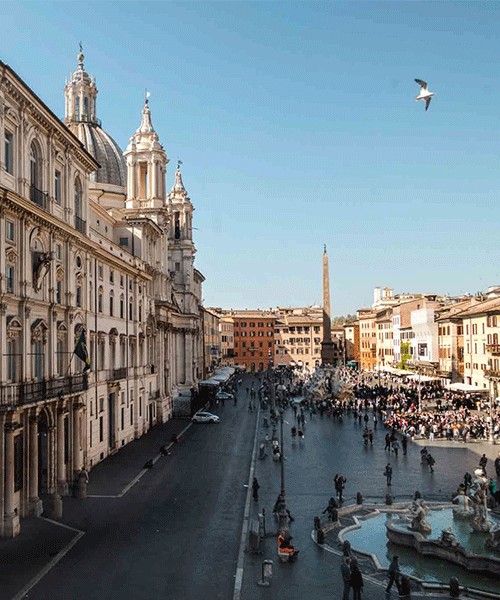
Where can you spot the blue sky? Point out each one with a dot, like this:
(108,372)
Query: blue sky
(297,126)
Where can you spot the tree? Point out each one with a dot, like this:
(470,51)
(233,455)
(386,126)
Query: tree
(405,354)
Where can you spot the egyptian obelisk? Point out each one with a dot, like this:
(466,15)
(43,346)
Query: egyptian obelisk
(327,353)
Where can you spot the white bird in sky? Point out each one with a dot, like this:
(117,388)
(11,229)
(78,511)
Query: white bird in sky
(424,93)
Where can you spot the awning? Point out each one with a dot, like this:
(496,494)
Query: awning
(465,387)
(422,378)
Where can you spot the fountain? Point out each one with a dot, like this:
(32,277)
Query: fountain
(435,541)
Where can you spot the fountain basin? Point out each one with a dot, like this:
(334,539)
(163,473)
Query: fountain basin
(484,562)
(368,537)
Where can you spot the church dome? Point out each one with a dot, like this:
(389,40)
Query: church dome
(80,94)
(106,152)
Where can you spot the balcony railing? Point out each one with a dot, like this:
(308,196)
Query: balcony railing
(492,374)
(38,197)
(80,224)
(119,373)
(493,349)
(39,391)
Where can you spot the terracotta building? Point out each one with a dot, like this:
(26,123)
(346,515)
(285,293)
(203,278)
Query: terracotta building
(254,346)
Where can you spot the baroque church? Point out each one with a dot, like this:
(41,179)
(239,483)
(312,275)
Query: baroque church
(92,242)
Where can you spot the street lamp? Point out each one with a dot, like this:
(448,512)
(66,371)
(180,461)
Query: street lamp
(282,455)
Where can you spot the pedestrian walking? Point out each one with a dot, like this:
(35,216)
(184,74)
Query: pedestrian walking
(404,443)
(388,473)
(497,465)
(395,447)
(394,574)
(255,489)
(345,570)
(340,482)
(356,580)
(387,442)
(483,461)
(431,462)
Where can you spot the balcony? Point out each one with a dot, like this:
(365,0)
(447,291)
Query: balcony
(491,374)
(39,391)
(38,197)
(493,349)
(80,224)
(116,374)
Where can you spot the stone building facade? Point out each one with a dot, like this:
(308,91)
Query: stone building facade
(89,242)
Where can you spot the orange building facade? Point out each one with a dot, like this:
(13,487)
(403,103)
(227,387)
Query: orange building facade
(254,343)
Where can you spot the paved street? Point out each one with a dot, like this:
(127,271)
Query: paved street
(331,448)
(176,533)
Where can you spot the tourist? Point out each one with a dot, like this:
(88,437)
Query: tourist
(405,588)
(356,580)
(483,461)
(388,473)
(395,447)
(394,574)
(431,462)
(345,570)
(388,442)
(255,489)
(339,481)
(404,443)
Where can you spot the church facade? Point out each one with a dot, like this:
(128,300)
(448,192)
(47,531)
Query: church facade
(94,249)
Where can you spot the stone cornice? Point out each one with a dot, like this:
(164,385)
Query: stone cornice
(19,205)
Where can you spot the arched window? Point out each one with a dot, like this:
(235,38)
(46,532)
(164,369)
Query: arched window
(140,311)
(35,173)
(111,304)
(78,198)
(77,108)
(122,307)
(85,109)
(100,300)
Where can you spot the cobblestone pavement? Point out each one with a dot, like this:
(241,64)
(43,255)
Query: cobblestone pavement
(328,448)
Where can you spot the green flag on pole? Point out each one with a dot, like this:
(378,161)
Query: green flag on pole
(82,352)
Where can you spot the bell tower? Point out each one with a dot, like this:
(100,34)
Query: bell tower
(80,94)
(146,165)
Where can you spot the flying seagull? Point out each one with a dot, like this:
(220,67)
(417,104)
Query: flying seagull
(424,93)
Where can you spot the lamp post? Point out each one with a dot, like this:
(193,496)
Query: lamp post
(282,455)
(272,390)
(419,389)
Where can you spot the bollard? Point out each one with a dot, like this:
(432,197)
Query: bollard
(267,573)
(359,498)
(454,588)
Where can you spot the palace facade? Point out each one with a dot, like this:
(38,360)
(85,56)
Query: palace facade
(90,240)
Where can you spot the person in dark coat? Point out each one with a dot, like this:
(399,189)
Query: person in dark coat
(356,580)
(346,577)
(255,489)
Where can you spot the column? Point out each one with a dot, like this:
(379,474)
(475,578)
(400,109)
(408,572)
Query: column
(12,525)
(35,504)
(76,440)
(188,348)
(2,474)
(62,484)
(54,503)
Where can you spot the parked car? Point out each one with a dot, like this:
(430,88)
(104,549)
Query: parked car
(205,417)
(222,395)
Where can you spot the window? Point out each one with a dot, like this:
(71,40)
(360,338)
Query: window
(124,241)
(11,360)
(58,292)
(58,252)
(9,276)
(9,152)
(177,266)
(77,114)
(60,357)
(111,304)
(79,296)
(111,276)
(122,308)
(9,230)
(34,170)
(121,280)
(78,262)
(100,271)
(99,300)
(57,187)
(101,429)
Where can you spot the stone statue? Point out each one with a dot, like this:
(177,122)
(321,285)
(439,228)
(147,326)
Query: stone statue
(418,515)
(493,542)
(448,539)
(479,497)
(462,508)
